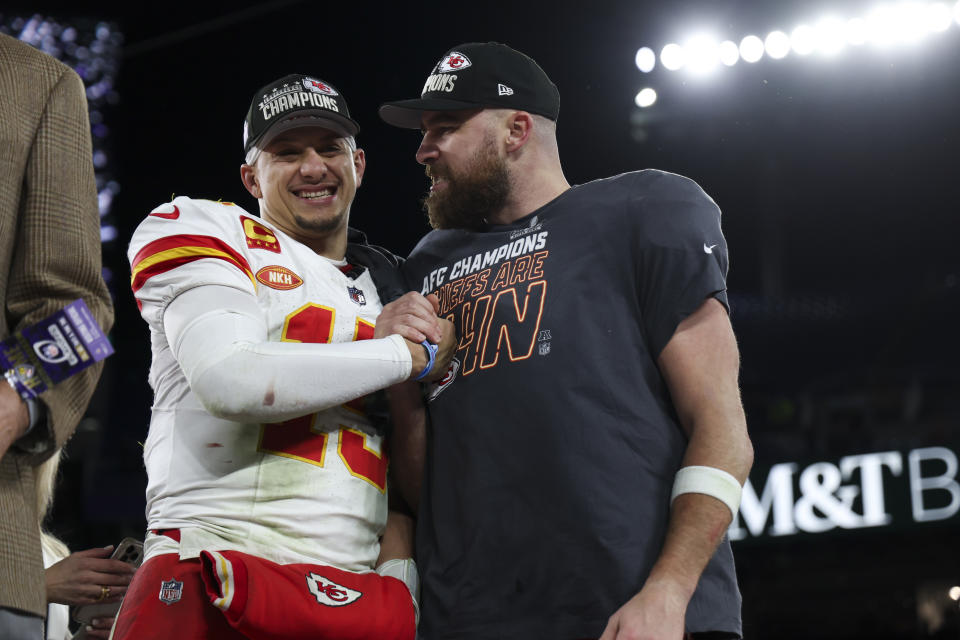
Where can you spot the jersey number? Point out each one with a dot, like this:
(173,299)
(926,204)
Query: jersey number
(298,438)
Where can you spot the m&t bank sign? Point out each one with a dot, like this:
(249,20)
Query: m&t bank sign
(858,491)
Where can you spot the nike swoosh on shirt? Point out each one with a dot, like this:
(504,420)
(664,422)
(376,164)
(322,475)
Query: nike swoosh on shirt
(173,215)
(707,249)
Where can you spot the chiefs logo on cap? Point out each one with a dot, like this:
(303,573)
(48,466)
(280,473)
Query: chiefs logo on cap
(454,61)
(258,236)
(318,86)
(277,277)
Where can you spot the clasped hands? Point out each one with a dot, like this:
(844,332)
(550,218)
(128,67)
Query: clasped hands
(414,317)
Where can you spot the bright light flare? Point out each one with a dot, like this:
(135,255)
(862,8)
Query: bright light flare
(645,98)
(937,17)
(673,57)
(831,36)
(857,32)
(954,593)
(751,49)
(702,54)
(729,53)
(777,45)
(913,21)
(803,40)
(902,22)
(881,26)
(646,59)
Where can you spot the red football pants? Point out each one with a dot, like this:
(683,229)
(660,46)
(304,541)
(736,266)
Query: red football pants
(189,614)
(231,594)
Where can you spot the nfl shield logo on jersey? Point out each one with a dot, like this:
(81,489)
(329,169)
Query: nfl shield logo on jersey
(357,296)
(170,591)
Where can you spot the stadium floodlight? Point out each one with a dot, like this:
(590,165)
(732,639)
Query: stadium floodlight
(803,40)
(882,25)
(938,17)
(729,53)
(856,31)
(893,22)
(646,59)
(912,17)
(645,98)
(702,54)
(673,57)
(777,44)
(751,48)
(831,36)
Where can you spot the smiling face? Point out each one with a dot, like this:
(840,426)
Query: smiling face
(470,183)
(306,180)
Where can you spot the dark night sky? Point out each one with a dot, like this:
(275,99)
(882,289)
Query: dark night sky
(837,180)
(835,176)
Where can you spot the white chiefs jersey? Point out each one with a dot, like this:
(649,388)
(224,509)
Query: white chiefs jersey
(312,489)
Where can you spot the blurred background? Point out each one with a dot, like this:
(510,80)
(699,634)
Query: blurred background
(827,132)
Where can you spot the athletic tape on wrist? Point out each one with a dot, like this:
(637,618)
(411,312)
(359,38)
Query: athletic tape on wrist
(431,358)
(708,481)
(404,570)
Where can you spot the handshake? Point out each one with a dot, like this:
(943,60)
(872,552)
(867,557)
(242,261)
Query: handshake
(432,341)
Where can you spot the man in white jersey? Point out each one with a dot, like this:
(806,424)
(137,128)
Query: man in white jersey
(267,492)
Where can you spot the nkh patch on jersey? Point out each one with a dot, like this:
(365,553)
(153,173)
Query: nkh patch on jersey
(278,277)
(171,591)
(329,592)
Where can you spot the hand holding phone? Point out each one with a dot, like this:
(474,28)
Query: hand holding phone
(94,583)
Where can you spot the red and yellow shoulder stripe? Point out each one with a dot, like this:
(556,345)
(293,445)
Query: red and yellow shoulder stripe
(171,252)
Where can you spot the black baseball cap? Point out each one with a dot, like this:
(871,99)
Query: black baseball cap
(295,101)
(476,75)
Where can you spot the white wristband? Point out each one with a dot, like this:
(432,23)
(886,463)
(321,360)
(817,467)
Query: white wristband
(404,570)
(708,481)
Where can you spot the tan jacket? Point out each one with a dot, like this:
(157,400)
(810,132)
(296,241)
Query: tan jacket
(49,255)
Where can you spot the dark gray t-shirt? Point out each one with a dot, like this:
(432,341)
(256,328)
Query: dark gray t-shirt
(554,441)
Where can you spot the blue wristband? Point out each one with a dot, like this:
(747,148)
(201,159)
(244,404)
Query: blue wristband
(432,355)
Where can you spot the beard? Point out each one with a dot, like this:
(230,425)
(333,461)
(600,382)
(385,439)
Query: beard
(322,225)
(472,196)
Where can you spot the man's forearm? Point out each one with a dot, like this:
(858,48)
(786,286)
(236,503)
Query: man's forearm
(697,525)
(397,541)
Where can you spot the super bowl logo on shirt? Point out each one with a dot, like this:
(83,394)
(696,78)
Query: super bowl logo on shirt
(454,61)
(330,593)
(50,351)
(318,86)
